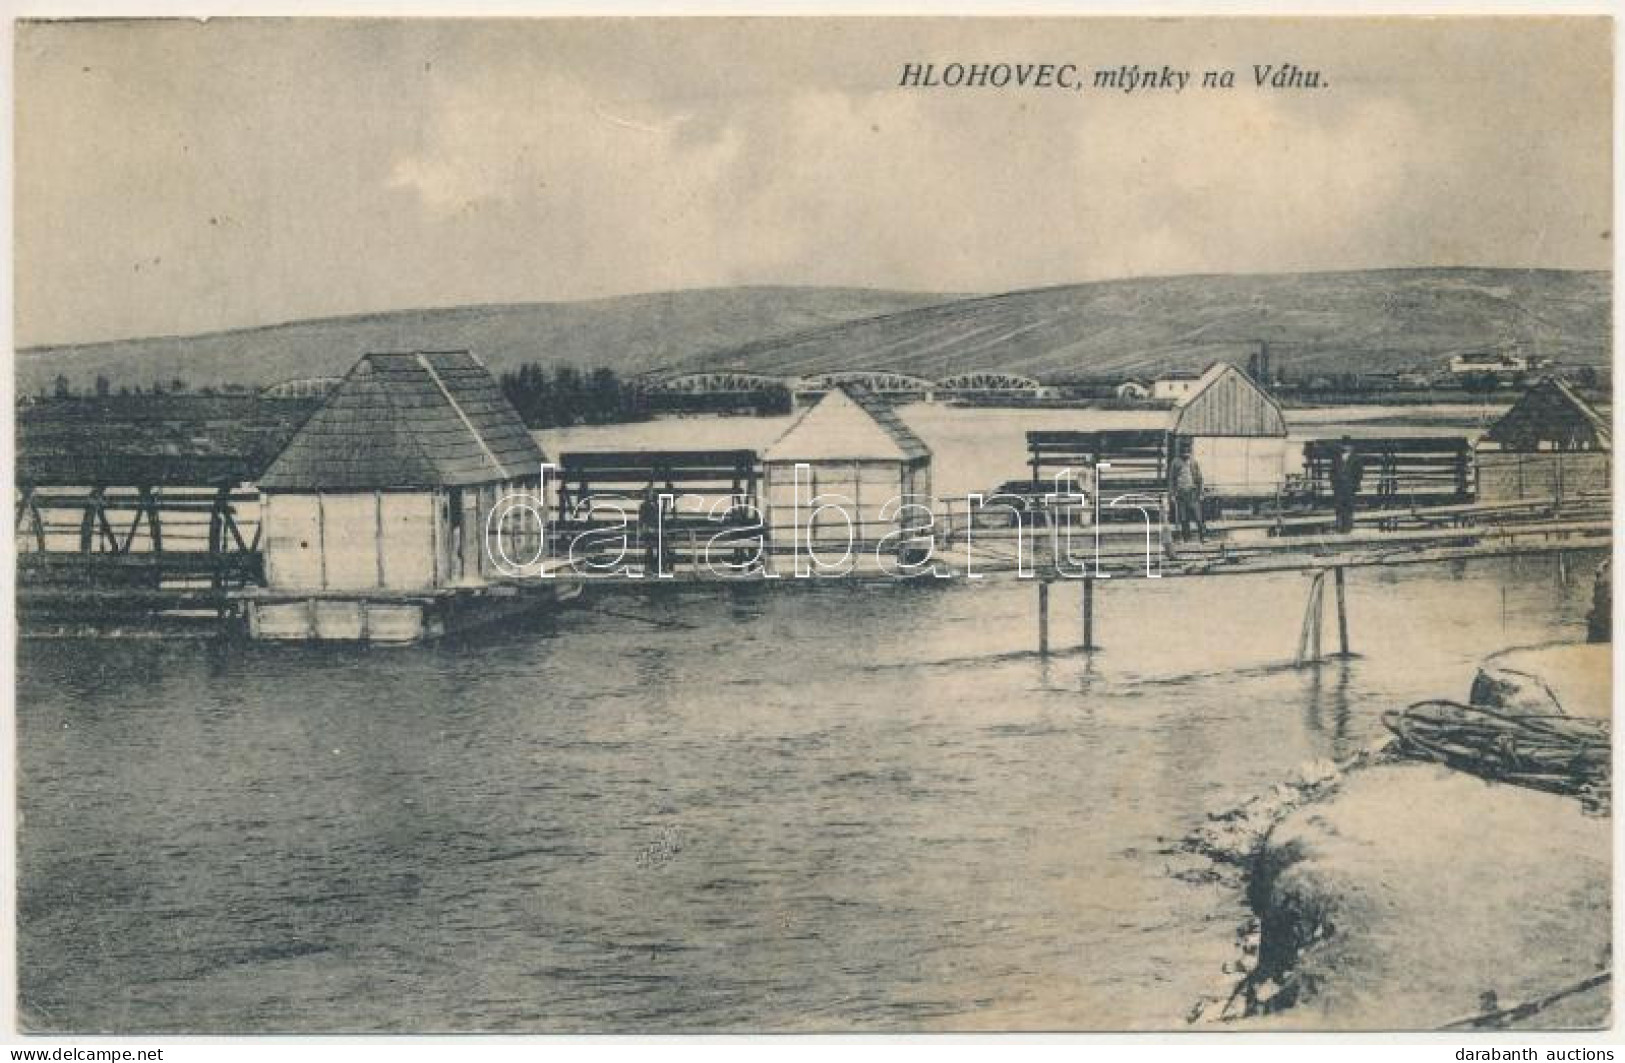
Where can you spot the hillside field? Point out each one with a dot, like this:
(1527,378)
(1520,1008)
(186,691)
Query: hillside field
(1314,323)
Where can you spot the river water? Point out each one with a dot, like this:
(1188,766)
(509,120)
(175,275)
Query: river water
(805,807)
(801,807)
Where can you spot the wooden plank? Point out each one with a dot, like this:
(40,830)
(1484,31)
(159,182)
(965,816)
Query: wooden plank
(178,562)
(623,459)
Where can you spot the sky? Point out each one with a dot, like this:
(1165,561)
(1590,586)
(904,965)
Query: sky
(175,177)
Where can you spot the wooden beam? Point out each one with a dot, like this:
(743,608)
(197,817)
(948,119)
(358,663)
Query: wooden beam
(109,536)
(135,525)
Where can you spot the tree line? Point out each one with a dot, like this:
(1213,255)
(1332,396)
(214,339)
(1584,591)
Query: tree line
(63,388)
(567,396)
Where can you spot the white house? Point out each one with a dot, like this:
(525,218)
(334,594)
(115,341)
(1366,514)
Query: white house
(1498,364)
(851,446)
(386,491)
(1236,432)
(1174,386)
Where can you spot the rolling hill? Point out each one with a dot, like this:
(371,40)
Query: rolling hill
(1369,321)
(629,333)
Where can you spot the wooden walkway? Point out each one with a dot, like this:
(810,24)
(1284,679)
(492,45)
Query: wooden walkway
(73,589)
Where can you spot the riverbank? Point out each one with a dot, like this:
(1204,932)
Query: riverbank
(1391,893)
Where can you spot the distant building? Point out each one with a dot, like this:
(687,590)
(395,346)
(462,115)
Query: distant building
(1133,389)
(1174,385)
(857,450)
(1502,366)
(1236,431)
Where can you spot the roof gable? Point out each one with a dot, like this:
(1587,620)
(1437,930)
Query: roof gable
(848,423)
(1226,402)
(425,419)
(1552,413)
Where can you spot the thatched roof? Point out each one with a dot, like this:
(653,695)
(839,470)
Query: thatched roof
(425,419)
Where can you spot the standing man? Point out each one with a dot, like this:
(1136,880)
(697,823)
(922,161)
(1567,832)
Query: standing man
(1185,480)
(1347,469)
(650,518)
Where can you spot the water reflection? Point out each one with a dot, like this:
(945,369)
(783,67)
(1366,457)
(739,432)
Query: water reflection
(1327,705)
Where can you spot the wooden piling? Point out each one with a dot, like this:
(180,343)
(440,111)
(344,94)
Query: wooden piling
(1088,614)
(1342,615)
(1314,609)
(1319,599)
(1043,617)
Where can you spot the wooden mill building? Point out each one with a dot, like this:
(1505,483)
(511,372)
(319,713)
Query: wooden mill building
(854,446)
(1236,432)
(378,507)
(1552,444)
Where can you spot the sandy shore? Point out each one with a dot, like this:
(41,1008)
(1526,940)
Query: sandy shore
(1402,894)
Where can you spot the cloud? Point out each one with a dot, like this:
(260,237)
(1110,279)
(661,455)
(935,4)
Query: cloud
(261,172)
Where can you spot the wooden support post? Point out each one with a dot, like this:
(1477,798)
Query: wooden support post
(1317,654)
(39,523)
(87,523)
(378,539)
(27,508)
(217,522)
(1342,615)
(1088,613)
(1043,617)
(155,528)
(217,536)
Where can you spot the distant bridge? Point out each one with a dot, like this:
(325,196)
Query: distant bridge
(721,383)
(880,381)
(981,380)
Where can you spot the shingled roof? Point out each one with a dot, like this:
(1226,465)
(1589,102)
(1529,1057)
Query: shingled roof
(1552,415)
(1227,402)
(424,419)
